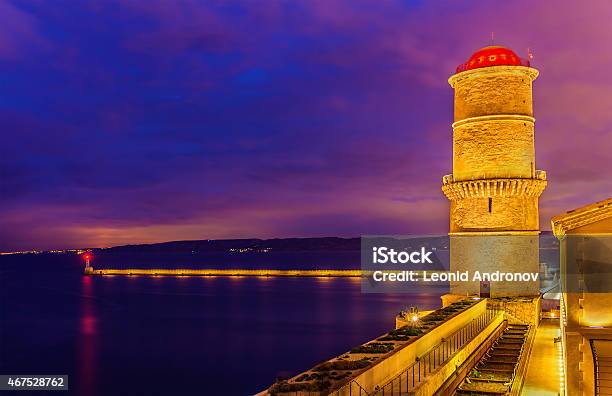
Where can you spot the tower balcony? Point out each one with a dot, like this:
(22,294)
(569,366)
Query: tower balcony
(498,187)
(448,179)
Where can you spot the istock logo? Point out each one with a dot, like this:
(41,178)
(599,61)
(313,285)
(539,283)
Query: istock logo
(383,255)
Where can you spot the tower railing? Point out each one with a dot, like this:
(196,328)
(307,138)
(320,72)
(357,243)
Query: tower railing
(449,179)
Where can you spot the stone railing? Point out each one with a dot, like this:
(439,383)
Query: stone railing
(493,187)
(540,175)
(449,179)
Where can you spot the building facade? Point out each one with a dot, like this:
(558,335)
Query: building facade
(585,236)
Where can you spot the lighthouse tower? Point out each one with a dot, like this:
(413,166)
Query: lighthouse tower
(494,187)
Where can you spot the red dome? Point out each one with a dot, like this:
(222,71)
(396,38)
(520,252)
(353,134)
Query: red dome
(492,55)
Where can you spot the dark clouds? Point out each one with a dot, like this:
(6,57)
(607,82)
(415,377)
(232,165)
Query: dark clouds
(141,121)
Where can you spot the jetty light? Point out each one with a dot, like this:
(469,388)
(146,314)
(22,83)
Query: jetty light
(87,256)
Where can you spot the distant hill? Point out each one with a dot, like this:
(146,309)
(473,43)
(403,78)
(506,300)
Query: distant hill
(277,253)
(245,245)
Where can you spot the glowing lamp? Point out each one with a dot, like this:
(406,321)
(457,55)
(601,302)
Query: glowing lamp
(87,257)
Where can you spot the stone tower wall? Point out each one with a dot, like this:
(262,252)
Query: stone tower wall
(507,214)
(492,91)
(490,253)
(493,147)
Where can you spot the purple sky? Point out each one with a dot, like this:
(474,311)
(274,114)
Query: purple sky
(142,121)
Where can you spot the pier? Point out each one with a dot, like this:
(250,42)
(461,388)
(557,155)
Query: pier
(328,273)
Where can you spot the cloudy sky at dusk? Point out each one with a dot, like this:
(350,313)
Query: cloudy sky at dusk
(142,121)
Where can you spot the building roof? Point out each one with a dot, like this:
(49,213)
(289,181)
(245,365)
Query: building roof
(492,55)
(582,216)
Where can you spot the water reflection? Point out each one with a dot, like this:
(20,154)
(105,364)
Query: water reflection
(87,339)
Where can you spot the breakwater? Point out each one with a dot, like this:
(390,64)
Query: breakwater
(224,272)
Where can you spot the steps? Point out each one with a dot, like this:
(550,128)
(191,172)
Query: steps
(602,351)
(494,373)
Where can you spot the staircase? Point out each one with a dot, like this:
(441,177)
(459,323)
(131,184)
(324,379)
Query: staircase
(495,372)
(603,367)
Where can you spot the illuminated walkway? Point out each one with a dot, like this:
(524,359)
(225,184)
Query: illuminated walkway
(544,369)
